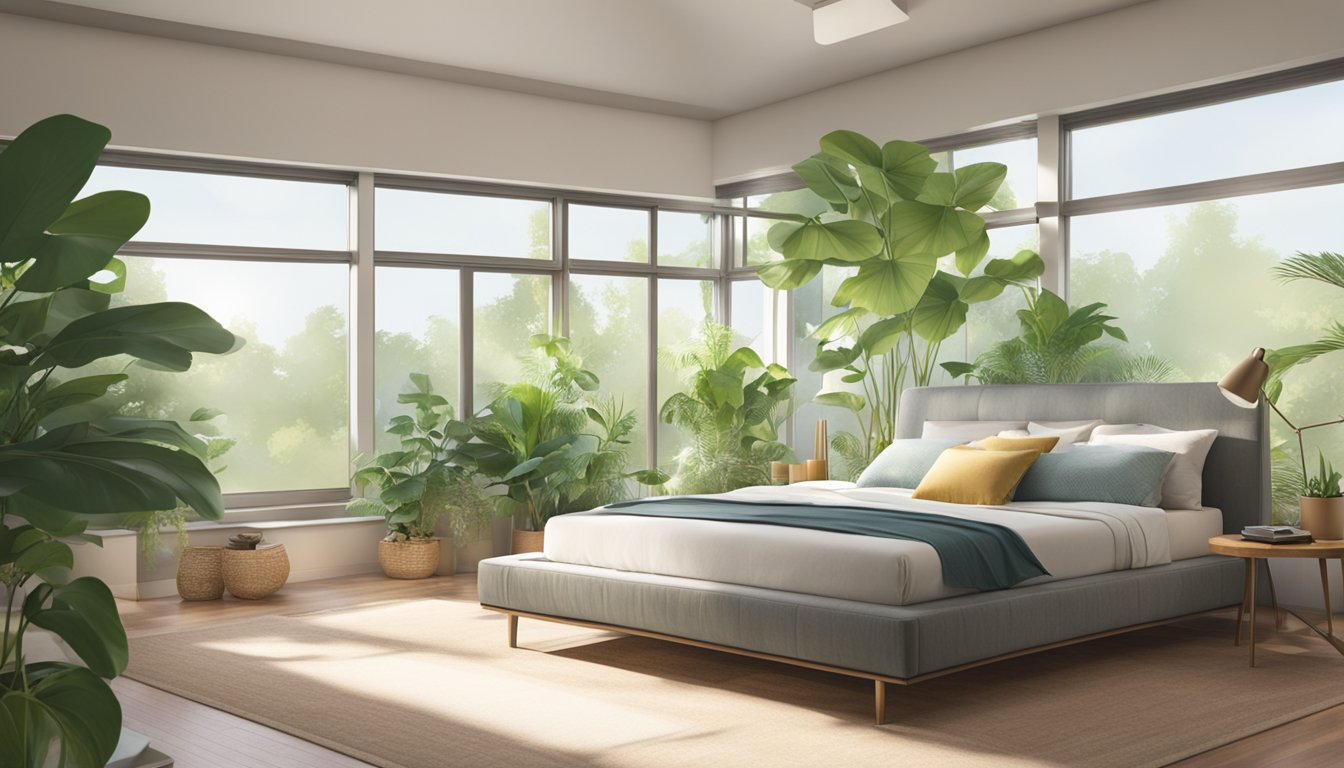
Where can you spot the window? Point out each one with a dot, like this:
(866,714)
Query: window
(604,233)
(1187,262)
(418,331)
(284,394)
(508,310)
(609,328)
(1273,132)
(464,225)
(683,308)
(218,209)
(1019,155)
(758,314)
(685,239)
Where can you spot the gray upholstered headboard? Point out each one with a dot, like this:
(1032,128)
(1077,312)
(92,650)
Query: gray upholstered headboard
(1236,474)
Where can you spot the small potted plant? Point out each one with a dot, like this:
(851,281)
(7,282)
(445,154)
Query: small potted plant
(424,480)
(1323,502)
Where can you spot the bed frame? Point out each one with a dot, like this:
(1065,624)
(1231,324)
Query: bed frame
(902,645)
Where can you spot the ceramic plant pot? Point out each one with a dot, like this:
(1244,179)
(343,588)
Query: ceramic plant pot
(1323,517)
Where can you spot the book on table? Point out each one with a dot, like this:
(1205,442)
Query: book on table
(1276,534)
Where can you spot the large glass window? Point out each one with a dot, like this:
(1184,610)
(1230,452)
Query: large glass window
(418,331)
(685,239)
(1276,131)
(1194,283)
(509,309)
(219,209)
(463,225)
(758,316)
(1019,186)
(284,394)
(608,234)
(609,327)
(683,308)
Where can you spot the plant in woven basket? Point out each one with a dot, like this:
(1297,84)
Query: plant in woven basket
(427,478)
(55,319)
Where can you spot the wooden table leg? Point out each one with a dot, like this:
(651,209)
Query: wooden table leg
(1245,590)
(1251,582)
(1325,594)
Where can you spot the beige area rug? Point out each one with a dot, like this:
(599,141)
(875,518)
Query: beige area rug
(427,683)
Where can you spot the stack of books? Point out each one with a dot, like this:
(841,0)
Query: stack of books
(1276,534)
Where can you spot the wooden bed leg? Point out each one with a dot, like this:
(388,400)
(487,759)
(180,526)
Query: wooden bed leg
(513,630)
(880,701)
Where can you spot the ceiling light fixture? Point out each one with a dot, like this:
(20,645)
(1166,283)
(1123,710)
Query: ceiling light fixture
(837,20)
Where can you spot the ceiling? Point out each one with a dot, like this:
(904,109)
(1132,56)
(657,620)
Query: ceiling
(698,58)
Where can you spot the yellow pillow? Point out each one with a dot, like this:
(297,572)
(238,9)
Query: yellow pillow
(965,475)
(1038,444)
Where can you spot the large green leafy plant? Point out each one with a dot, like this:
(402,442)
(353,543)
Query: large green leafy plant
(1057,345)
(55,319)
(891,218)
(731,412)
(427,478)
(551,445)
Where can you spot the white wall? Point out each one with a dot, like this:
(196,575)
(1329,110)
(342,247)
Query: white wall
(168,95)
(1137,51)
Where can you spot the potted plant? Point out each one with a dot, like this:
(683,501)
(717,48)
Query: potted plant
(554,449)
(888,217)
(423,480)
(1323,502)
(55,319)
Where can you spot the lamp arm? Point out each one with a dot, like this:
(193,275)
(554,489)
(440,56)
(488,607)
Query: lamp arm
(1340,420)
(1286,420)
(1301,448)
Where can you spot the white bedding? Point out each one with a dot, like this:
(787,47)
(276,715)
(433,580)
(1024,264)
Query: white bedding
(1070,539)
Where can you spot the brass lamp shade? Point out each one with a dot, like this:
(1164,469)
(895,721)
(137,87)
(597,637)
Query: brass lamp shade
(1242,384)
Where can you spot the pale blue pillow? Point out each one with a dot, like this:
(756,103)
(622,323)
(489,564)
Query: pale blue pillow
(1128,474)
(905,462)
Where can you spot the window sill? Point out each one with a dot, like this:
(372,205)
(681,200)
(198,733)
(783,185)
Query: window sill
(265,524)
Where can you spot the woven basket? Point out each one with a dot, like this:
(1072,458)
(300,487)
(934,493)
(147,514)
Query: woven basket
(252,574)
(415,559)
(200,573)
(528,541)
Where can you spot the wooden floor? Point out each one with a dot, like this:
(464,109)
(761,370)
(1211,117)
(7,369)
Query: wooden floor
(200,737)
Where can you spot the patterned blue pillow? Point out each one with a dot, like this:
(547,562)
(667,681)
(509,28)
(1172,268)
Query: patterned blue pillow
(1127,474)
(905,462)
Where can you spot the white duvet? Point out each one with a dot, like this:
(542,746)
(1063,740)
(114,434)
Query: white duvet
(1070,539)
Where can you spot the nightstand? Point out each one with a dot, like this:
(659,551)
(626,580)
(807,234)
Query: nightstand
(1251,551)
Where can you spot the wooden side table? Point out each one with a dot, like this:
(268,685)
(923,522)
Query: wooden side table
(1251,551)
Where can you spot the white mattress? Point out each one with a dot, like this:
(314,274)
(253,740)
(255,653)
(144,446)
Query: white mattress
(1070,540)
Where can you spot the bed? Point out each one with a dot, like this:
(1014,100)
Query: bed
(876,608)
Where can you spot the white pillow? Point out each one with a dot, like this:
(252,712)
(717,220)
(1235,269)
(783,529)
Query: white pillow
(1129,429)
(968,430)
(1183,485)
(1070,431)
